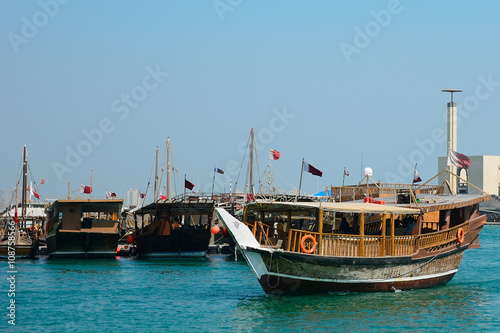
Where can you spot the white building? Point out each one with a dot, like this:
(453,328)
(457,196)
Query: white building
(484,172)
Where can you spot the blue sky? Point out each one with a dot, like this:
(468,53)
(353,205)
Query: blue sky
(99,84)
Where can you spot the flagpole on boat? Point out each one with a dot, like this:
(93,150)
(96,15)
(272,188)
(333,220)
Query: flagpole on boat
(300,182)
(91,174)
(343,178)
(213,181)
(156,176)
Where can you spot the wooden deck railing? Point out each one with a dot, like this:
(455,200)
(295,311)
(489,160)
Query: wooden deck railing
(345,245)
(441,237)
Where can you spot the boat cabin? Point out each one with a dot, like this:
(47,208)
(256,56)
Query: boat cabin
(84,215)
(358,228)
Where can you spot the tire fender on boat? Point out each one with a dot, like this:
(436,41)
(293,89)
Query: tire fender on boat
(460,235)
(303,246)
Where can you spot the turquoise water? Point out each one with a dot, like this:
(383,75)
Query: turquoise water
(218,294)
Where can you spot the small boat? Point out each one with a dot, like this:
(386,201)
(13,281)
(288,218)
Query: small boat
(16,243)
(83,228)
(397,238)
(20,235)
(174,228)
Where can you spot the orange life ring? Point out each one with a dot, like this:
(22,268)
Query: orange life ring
(303,246)
(460,235)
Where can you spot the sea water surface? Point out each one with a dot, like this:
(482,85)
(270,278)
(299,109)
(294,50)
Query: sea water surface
(217,294)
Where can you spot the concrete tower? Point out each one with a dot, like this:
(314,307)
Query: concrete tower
(452,135)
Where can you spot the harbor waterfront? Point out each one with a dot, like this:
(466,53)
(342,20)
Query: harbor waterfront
(217,294)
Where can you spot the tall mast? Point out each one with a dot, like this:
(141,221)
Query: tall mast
(250,162)
(156,175)
(168,168)
(25,181)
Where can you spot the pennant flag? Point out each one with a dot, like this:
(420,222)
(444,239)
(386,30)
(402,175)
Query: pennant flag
(309,168)
(274,154)
(15,216)
(35,194)
(42,181)
(346,172)
(85,189)
(163,197)
(459,160)
(188,184)
(219,171)
(416,176)
(142,195)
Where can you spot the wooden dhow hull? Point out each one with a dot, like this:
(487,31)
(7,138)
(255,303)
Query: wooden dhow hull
(184,243)
(285,272)
(81,244)
(18,251)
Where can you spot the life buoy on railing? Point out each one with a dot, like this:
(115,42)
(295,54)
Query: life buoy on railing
(460,235)
(303,244)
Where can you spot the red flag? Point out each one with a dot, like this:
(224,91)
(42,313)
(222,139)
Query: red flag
(416,176)
(35,194)
(85,189)
(309,168)
(459,160)
(162,197)
(142,194)
(15,216)
(274,154)
(42,181)
(188,184)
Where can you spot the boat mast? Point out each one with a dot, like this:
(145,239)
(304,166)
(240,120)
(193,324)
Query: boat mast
(168,168)
(156,175)
(25,180)
(250,162)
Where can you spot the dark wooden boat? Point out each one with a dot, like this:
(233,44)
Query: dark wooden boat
(20,235)
(178,228)
(393,239)
(83,228)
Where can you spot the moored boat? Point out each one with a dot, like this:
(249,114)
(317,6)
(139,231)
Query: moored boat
(20,233)
(401,241)
(174,228)
(83,228)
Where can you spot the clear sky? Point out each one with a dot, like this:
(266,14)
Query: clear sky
(99,84)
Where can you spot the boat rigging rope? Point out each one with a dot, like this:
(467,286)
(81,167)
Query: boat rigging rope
(241,165)
(277,272)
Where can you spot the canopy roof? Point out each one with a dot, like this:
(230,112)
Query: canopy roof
(343,207)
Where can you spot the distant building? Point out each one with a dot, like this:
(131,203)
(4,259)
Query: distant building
(484,172)
(6,196)
(132,198)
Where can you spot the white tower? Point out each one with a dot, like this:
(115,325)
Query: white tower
(452,135)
